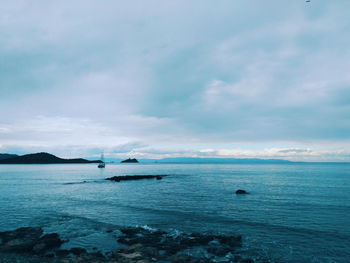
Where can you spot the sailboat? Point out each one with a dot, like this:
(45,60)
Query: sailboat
(103,164)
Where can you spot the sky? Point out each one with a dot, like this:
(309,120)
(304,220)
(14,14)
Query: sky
(156,79)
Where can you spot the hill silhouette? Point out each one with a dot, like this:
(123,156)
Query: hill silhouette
(4,156)
(130,161)
(42,158)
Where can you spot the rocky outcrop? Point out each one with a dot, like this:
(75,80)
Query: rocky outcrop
(159,246)
(28,239)
(129,160)
(139,245)
(135,177)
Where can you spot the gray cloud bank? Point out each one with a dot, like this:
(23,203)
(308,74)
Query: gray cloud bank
(231,78)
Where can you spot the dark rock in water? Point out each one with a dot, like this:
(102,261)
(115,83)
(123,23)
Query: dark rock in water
(133,231)
(46,242)
(50,255)
(20,240)
(62,252)
(182,259)
(247,260)
(232,241)
(218,250)
(28,239)
(77,251)
(241,192)
(129,160)
(159,246)
(137,245)
(150,251)
(134,177)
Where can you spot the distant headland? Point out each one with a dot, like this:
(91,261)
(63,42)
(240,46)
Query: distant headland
(129,160)
(47,158)
(39,158)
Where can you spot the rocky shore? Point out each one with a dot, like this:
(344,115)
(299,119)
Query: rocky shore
(137,245)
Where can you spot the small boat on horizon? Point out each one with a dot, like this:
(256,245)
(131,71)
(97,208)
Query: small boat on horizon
(102,164)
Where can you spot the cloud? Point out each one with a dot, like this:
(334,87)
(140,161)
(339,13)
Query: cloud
(174,75)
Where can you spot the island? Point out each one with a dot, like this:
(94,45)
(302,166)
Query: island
(129,160)
(42,158)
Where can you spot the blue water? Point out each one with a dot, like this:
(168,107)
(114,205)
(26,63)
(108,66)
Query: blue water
(294,212)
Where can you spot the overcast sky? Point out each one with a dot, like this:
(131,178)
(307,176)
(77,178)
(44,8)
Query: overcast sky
(155,78)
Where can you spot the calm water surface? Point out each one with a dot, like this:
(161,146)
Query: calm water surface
(295,212)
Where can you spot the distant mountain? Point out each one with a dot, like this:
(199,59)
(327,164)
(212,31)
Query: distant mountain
(42,158)
(4,156)
(198,160)
(219,160)
(195,160)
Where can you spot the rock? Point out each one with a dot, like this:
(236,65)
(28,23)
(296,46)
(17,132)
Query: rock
(23,232)
(232,241)
(142,246)
(247,260)
(39,247)
(218,250)
(134,177)
(77,251)
(182,259)
(62,252)
(20,240)
(28,239)
(50,255)
(132,231)
(46,242)
(130,249)
(97,255)
(241,192)
(196,239)
(150,252)
(131,256)
(236,258)
(158,246)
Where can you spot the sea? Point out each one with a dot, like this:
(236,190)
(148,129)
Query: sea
(294,212)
